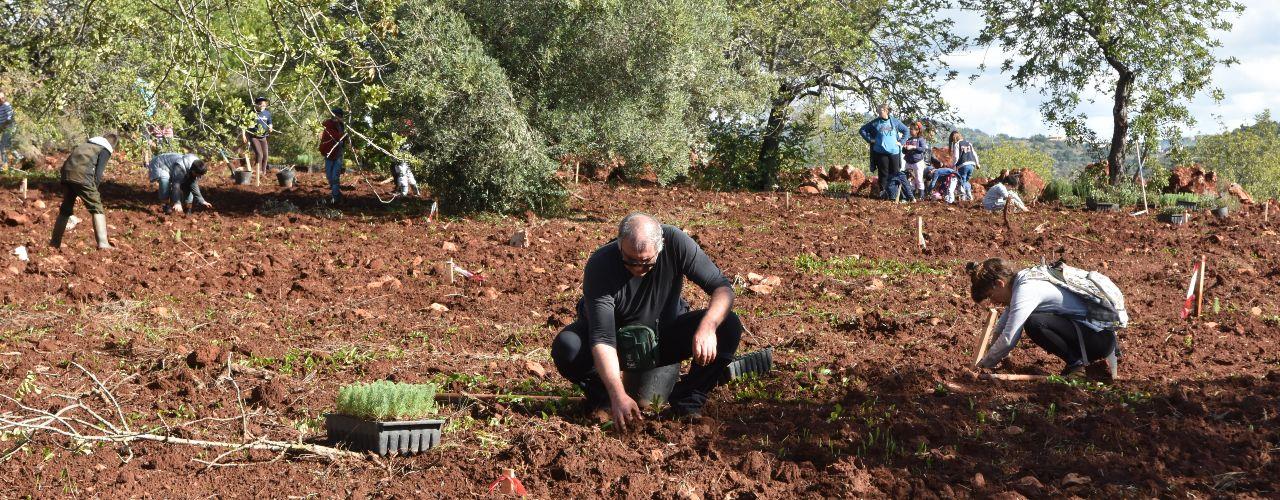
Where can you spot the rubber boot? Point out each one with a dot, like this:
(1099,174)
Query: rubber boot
(59,228)
(100,230)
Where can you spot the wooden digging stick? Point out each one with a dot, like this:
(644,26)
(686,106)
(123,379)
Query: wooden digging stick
(1204,262)
(986,336)
(1016,377)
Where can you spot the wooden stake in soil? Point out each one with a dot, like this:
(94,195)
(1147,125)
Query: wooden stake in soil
(22,189)
(450,271)
(920,232)
(986,336)
(787,195)
(1204,262)
(1266,210)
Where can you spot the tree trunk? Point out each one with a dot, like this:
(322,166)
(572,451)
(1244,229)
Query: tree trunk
(1120,129)
(770,147)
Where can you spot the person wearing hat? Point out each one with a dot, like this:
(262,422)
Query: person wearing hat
(332,144)
(256,136)
(81,175)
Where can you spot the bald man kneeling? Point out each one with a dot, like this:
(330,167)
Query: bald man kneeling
(631,317)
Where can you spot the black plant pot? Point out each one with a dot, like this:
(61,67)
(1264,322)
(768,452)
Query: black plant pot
(242,177)
(1175,219)
(1221,212)
(1105,207)
(754,362)
(1189,205)
(285,177)
(404,437)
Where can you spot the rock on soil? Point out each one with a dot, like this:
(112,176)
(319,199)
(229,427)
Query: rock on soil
(1238,191)
(757,466)
(208,355)
(1192,179)
(272,394)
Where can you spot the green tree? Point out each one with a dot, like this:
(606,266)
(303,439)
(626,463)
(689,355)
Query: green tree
(603,79)
(1151,57)
(478,150)
(865,52)
(1013,156)
(1249,155)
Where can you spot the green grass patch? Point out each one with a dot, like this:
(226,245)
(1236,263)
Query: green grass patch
(384,400)
(857,267)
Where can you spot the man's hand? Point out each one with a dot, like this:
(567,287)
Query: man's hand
(624,410)
(704,345)
(206,204)
(177,207)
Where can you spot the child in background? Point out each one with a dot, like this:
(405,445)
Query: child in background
(966,161)
(404,179)
(999,193)
(916,153)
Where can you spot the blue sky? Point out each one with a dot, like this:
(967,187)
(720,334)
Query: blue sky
(1250,86)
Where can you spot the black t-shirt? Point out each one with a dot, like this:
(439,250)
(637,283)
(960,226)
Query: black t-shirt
(612,297)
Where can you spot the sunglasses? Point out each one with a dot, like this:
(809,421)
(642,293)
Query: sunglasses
(640,264)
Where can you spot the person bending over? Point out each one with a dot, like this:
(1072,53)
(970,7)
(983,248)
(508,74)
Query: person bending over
(999,193)
(1071,313)
(631,311)
(184,177)
(81,174)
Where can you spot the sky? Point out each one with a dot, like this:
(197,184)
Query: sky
(1250,87)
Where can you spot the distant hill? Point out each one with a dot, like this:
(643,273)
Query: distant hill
(1067,157)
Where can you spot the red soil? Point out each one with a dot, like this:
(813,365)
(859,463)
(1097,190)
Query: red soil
(872,394)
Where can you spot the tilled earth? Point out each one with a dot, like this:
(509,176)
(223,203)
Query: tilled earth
(279,304)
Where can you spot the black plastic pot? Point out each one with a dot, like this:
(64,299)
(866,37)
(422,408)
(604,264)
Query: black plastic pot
(242,177)
(285,177)
(1221,212)
(404,437)
(1105,207)
(1189,205)
(1175,219)
(753,362)
(651,386)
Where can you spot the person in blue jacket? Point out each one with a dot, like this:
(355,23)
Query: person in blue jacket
(885,135)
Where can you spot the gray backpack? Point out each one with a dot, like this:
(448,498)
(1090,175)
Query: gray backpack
(1105,302)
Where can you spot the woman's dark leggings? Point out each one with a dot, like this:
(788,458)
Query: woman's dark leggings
(1060,336)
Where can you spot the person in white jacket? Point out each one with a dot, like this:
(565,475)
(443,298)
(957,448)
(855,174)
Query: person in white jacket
(999,193)
(1054,317)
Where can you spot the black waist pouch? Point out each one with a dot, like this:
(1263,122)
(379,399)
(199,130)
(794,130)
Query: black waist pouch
(637,347)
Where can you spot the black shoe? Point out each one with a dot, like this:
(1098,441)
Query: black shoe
(1073,370)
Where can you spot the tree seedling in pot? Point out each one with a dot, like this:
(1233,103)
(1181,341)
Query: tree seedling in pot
(386,417)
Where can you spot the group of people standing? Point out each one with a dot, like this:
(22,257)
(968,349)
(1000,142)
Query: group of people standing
(894,145)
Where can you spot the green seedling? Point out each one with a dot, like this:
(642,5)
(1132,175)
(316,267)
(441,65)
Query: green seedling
(385,400)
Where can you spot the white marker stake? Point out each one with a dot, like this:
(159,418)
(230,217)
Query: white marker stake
(22,189)
(450,271)
(920,231)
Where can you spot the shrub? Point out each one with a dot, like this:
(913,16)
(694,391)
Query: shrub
(385,400)
(1056,189)
(1070,201)
(735,155)
(478,150)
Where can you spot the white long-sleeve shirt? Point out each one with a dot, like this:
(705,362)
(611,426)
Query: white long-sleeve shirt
(996,196)
(1031,296)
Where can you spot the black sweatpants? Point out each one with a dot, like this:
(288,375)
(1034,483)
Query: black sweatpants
(887,167)
(1059,335)
(573,357)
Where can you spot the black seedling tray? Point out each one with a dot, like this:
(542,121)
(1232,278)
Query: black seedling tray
(403,437)
(753,362)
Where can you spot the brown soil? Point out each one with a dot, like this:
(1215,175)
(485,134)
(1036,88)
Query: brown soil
(872,394)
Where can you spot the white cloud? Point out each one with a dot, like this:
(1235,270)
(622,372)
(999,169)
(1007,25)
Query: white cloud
(1249,87)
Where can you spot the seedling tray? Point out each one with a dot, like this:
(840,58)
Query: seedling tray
(405,437)
(754,362)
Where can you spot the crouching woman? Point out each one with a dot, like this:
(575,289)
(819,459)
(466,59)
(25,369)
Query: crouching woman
(1071,313)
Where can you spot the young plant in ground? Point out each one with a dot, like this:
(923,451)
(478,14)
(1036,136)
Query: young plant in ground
(384,400)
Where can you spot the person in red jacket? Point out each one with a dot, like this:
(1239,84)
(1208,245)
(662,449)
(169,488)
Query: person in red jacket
(332,143)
